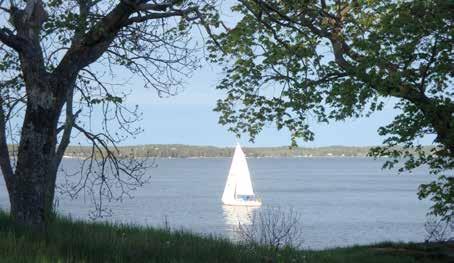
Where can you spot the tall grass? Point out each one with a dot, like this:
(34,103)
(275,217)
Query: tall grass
(75,241)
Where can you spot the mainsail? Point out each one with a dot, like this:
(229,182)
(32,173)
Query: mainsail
(239,179)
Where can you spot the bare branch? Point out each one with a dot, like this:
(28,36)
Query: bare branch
(96,41)
(103,170)
(67,128)
(5,161)
(150,15)
(157,6)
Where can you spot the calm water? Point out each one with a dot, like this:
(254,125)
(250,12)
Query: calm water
(342,201)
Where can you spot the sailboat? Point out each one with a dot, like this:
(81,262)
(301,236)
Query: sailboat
(238,188)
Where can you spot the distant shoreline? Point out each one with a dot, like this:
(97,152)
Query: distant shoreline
(226,157)
(191,151)
(199,152)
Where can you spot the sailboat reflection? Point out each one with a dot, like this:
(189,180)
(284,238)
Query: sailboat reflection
(234,216)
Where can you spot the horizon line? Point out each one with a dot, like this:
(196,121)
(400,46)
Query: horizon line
(233,146)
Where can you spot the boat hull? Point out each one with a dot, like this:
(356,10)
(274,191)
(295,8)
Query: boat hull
(242,203)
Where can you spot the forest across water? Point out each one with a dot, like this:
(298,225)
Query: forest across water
(192,151)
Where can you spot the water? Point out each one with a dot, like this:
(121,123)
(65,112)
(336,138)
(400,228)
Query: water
(341,201)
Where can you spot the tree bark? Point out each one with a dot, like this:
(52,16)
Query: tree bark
(33,187)
(32,192)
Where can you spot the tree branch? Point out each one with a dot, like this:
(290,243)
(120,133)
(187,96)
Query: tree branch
(157,6)
(13,41)
(425,68)
(5,161)
(99,38)
(93,44)
(151,15)
(67,128)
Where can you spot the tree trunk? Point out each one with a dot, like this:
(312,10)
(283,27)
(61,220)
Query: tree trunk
(32,192)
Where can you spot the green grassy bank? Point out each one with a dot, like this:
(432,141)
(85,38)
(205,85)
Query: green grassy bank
(76,241)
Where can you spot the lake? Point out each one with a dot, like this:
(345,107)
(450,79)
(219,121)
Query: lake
(341,201)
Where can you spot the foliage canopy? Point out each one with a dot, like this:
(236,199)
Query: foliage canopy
(300,61)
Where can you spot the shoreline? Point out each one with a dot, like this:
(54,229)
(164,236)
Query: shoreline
(251,157)
(172,151)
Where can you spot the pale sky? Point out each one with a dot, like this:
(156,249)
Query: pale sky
(188,118)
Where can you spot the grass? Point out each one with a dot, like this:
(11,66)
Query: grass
(77,241)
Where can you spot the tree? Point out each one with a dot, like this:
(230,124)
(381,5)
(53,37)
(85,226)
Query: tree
(50,84)
(300,60)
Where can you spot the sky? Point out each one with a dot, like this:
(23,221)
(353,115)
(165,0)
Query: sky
(188,118)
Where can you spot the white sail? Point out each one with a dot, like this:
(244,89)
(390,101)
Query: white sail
(239,180)
(240,167)
(229,190)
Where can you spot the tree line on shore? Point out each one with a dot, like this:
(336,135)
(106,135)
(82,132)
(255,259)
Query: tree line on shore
(192,151)
(197,151)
